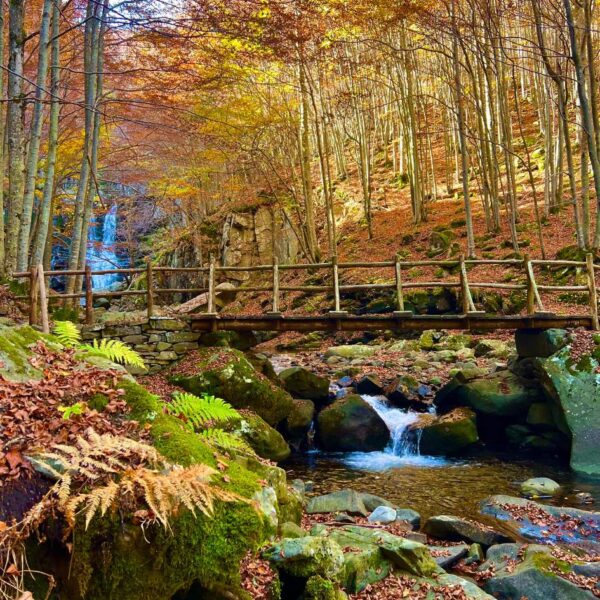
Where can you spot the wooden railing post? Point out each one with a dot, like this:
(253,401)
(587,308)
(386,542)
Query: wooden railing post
(150,289)
(401,312)
(89,296)
(211,287)
(275,310)
(43,299)
(336,287)
(533,295)
(591,274)
(464,286)
(33,296)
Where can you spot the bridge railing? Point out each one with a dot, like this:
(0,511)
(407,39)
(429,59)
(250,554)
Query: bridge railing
(401,282)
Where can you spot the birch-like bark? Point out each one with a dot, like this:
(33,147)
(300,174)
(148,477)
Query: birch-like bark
(35,137)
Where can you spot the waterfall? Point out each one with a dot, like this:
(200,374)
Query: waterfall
(101,254)
(403,448)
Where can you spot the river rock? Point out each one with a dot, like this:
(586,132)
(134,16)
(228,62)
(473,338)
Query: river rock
(540,416)
(540,343)
(539,486)
(297,426)
(351,352)
(369,385)
(409,516)
(448,527)
(307,556)
(347,501)
(536,577)
(350,424)
(492,348)
(550,524)
(266,441)
(501,395)
(574,390)
(448,434)
(302,383)
(383,514)
(447,556)
(226,373)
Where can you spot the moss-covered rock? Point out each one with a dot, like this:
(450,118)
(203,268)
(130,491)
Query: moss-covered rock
(351,424)
(228,374)
(448,434)
(266,441)
(351,351)
(318,588)
(302,383)
(539,342)
(306,557)
(574,390)
(298,424)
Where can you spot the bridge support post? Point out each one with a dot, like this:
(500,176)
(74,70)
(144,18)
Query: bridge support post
(275,312)
(43,299)
(150,288)
(210,309)
(33,296)
(591,273)
(400,313)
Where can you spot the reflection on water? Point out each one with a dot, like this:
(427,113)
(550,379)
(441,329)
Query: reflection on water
(434,486)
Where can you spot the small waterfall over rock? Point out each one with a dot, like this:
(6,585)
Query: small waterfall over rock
(101,254)
(403,448)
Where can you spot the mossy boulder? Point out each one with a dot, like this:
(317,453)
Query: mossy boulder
(351,424)
(492,348)
(266,441)
(539,486)
(502,395)
(302,383)
(116,558)
(351,352)
(306,557)
(298,424)
(448,434)
(452,528)
(574,391)
(537,576)
(318,588)
(227,374)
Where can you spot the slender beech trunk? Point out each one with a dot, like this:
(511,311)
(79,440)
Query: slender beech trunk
(35,138)
(45,216)
(14,130)
(2,122)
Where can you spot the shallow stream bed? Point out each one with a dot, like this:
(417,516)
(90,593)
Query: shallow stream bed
(434,486)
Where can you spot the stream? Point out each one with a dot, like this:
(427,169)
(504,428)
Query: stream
(431,485)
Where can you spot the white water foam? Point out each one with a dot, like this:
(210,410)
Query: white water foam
(403,449)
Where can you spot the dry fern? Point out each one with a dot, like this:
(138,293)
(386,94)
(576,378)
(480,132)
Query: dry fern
(123,471)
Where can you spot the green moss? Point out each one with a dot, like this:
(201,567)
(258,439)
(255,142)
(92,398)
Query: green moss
(318,588)
(98,402)
(229,375)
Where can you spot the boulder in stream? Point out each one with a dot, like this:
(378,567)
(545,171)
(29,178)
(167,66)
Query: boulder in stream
(540,486)
(302,383)
(350,424)
(266,441)
(297,426)
(447,434)
(449,527)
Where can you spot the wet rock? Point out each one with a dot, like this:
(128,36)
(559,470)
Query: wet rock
(266,441)
(448,556)
(369,385)
(539,486)
(383,514)
(302,383)
(574,390)
(448,527)
(540,416)
(540,343)
(307,556)
(351,424)
(475,554)
(371,501)
(345,382)
(291,530)
(448,434)
(297,426)
(403,392)
(412,517)
(535,578)
(542,522)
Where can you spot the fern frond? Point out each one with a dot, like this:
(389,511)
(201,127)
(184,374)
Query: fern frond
(225,441)
(116,351)
(67,333)
(201,412)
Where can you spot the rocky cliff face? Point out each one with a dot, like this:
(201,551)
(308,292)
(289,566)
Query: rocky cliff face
(255,237)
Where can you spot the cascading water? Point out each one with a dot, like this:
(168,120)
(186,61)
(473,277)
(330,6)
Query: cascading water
(403,448)
(101,254)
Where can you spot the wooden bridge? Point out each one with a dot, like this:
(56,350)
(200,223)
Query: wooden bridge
(533,316)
